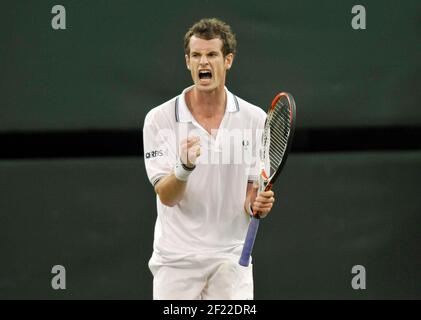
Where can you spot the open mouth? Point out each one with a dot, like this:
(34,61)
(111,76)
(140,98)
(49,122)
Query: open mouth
(205,74)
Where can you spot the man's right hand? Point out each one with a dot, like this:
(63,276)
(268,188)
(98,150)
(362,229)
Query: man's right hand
(190,151)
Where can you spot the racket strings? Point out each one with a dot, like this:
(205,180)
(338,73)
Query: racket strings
(275,138)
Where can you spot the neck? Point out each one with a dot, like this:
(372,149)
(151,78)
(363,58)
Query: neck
(206,103)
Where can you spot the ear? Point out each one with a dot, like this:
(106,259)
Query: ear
(187,61)
(229,59)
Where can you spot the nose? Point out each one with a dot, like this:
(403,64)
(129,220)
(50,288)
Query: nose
(203,60)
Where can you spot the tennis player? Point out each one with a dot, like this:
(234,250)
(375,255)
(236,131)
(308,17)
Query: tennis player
(201,151)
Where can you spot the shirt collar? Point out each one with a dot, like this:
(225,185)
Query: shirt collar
(183,114)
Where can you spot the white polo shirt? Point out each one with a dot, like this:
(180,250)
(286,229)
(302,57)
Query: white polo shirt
(210,219)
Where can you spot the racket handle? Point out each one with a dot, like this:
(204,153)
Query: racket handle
(249,243)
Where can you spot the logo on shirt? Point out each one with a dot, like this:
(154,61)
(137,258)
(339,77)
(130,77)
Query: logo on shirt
(154,154)
(246,144)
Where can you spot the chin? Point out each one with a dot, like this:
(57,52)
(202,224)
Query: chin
(207,88)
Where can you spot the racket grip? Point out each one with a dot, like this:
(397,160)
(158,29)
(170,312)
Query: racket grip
(249,242)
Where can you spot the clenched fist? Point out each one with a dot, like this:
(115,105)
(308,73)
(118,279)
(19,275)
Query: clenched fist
(190,151)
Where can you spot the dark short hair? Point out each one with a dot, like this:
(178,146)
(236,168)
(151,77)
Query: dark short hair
(211,28)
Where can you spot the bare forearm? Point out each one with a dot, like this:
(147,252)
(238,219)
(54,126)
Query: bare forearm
(170,190)
(250,196)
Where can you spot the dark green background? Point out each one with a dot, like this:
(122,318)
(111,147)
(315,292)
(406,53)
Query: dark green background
(118,59)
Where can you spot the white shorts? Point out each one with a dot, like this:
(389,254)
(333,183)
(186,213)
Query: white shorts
(201,277)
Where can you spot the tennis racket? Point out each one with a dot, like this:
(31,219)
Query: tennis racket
(276,143)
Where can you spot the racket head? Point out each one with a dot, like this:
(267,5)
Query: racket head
(278,135)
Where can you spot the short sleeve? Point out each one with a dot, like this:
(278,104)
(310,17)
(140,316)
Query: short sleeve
(253,173)
(254,169)
(159,149)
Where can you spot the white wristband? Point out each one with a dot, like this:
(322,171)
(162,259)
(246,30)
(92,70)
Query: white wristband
(181,171)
